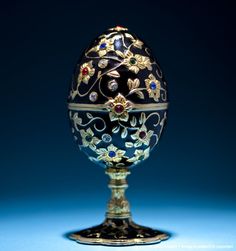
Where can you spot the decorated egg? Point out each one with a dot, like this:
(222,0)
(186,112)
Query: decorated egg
(118,100)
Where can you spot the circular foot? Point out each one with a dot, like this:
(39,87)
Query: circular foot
(119,232)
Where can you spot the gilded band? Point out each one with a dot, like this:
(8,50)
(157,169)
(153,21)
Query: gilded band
(120,242)
(103,107)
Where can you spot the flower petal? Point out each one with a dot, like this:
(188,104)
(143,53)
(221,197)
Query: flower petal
(85,79)
(96,140)
(151,76)
(101,150)
(137,143)
(102,53)
(135,69)
(143,128)
(89,131)
(113,116)
(111,147)
(91,72)
(134,136)
(132,159)
(92,147)
(120,152)
(124,116)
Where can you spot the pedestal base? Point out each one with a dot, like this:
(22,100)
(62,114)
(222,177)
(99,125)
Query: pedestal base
(118,232)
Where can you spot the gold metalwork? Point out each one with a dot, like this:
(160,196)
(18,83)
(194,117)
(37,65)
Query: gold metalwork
(133,87)
(88,138)
(77,121)
(120,242)
(155,94)
(137,43)
(121,101)
(118,28)
(90,69)
(112,156)
(103,154)
(142,140)
(118,229)
(102,51)
(118,206)
(102,107)
(139,155)
(135,62)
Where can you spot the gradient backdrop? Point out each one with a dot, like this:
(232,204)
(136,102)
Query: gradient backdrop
(48,187)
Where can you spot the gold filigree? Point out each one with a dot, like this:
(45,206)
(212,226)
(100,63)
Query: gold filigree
(77,121)
(103,107)
(153,87)
(142,136)
(137,43)
(119,108)
(86,71)
(88,138)
(133,87)
(133,84)
(139,155)
(104,46)
(110,154)
(136,62)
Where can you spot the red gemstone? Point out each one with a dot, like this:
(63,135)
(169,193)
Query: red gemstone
(119,108)
(142,135)
(85,71)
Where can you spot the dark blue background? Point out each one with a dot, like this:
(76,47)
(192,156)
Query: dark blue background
(194,43)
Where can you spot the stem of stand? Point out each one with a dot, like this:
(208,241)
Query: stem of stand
(118,206)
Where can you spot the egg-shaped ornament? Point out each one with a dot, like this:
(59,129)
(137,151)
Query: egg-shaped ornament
(118,109)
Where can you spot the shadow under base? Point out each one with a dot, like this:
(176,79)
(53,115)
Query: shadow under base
(119,232)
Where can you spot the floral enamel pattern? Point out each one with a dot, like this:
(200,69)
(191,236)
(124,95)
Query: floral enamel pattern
(88,138)
(104,46)
(153,87)
(139,155)
(136,62)
(142,136)
(115,50)
(115,79)
(86,71)
(110,154)
(118,108)
(137,43)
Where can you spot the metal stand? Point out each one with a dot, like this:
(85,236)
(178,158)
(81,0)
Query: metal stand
(118,228)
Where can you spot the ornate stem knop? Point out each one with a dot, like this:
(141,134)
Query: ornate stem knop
(118,206)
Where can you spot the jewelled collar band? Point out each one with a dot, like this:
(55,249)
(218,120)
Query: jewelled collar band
(103,107)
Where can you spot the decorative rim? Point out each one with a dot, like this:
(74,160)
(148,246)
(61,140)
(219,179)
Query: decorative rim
(135,241)
(103,107)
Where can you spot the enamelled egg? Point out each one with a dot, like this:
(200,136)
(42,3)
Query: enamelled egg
(118,100)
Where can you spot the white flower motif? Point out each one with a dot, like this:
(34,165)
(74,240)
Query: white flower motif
(142,136)
(119,108)
(110,154)
(139,155)
(88,138)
